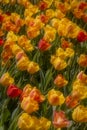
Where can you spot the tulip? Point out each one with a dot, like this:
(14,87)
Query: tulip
(43,45)
(42,5)
(58,63)
(60,81)
(26,91)
(81,37)
(36,95)
(13,91)
(29,105)
(59,120)
(45,123)
(6,79)
(80,114)
(55,97)
(71,101)
(25,122)
(82,60)
(33,67)
(1,42)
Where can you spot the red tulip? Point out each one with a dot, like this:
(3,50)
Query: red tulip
(82,5)
(1,42)
(13,91)
(43,18)
(59,120)
(82,37)
(43,45)
(1,18)
(42,5)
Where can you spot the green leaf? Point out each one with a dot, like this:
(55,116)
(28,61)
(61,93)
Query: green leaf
(48,78)
(15,113)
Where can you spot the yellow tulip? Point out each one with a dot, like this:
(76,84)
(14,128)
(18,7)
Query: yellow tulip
(33,67)
(45,123)
(61,53)
(29,105)
(22,63)
(6,79)
(80,88)
(50,33)
(25,43)
(80,114)
(58,63)
(25,122)
(69,52)
(55,97)
(55,23)
(15,49)
(48,2)
(50,13)
(11,36)
(82,61)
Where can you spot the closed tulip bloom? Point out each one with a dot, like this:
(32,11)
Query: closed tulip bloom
(50,33)
(13,91)
(55,23)
(58,63)
(33,67)
(26,91)
(36,95)
(25,43)
(43,45)
(1,18)
(33,32)
(60,53)
(69,52)
(65,44)
(71,101)
(37,125)
(25,122)
(15,49)
(81,37)
(60,120)
(42,5)
(82,5)
(45,123)
(29,105)
(1,42)
(11,36)
(80,114)
(22,63)
(60,81)
(55,97)
(82,77)
(6,79)
(43,18)
(82,60)
(50,13)
(80,89)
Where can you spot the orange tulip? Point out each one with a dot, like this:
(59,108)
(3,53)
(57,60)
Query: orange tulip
(59,120)
(36,95)
(60,81)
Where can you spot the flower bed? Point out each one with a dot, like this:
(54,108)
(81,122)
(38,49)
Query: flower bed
(43,65)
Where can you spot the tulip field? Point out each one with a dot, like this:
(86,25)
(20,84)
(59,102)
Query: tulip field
(43,65)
